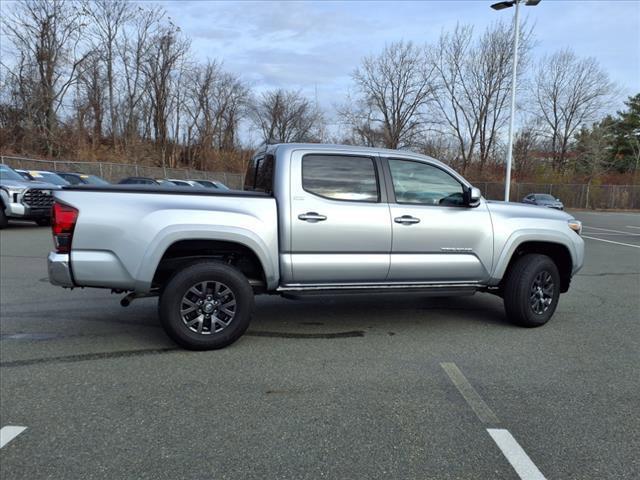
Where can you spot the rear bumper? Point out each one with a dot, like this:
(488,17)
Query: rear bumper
(59,269)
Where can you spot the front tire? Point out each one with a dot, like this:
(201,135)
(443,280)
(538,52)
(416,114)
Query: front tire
(206,306)
(4,221)
(531,290)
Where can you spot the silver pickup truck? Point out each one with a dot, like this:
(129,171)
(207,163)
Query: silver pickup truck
(312,219)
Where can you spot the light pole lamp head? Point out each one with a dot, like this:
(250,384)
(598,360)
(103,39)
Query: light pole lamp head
(503,5)
(511,3)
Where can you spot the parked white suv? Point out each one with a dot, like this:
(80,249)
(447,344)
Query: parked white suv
(22,199)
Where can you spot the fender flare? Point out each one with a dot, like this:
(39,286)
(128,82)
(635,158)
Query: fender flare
(176,233)
(517,238)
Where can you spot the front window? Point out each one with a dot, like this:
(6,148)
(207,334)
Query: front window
(340,177)
(424,184)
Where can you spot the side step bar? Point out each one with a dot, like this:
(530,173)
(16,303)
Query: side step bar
(440,289)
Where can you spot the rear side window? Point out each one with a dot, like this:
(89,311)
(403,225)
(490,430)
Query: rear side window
(339,177)
(259,176)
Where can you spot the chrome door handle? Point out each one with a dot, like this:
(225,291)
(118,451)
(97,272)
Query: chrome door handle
(406,220)
(312,217)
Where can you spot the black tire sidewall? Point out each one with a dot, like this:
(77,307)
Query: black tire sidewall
(177,286)
(518,287)
(4,221)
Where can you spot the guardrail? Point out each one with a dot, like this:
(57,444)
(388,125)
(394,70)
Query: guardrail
(113,172)
(624,197)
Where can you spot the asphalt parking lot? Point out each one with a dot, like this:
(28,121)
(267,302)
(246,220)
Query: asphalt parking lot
(398,386)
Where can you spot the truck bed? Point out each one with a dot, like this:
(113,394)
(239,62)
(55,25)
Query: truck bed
(123,231)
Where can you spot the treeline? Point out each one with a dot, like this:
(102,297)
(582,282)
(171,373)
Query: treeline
(114,80)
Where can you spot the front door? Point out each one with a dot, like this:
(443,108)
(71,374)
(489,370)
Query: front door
(436,238)
(340,226)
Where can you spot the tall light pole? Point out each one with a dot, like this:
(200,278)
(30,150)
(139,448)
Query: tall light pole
(516,38)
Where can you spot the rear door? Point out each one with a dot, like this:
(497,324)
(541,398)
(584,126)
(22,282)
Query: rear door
(436,237)
(340,222)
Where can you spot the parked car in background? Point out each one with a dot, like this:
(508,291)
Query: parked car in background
(180,183)
(22,199)
(543,200)
(211,184)
(43,176)
(82,178)
(139,181)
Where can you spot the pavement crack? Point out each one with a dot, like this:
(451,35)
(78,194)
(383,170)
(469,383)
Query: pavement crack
(607,274)
(87,357)
(355,333)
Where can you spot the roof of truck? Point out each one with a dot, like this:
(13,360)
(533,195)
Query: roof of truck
(271,148)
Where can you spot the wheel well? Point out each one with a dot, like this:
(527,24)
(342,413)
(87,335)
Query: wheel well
(557,252)
(185,252)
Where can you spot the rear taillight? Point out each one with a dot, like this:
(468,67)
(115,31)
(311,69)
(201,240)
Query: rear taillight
(63,221)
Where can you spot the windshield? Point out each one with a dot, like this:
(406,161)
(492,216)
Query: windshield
(7,174)
(48,177)
(544,196)
(94,180)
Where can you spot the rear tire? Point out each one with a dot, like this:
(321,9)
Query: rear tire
(206,306)
(531,290)
(4,221)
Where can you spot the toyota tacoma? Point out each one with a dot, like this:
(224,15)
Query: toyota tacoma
(311,219)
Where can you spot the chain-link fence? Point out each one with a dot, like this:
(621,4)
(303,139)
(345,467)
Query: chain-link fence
(114,172)
(623,197)
(572,195)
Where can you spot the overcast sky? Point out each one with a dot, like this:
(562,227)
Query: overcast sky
(316,45)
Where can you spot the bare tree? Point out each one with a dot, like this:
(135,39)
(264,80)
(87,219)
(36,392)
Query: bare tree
(525,144)
(473,87)
(132,47)
(568,93)
(90,95)
(216,103)
(286,116)
(161,65)
(357,116)
(393,88)
(108,18)
(46,35)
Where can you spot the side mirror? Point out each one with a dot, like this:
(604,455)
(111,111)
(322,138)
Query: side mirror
(474,196)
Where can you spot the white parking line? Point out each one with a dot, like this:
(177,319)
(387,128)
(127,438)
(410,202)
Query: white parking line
(631,226)
(517,457)
(8,433)
(609,230)
(611,241)
(473,398)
